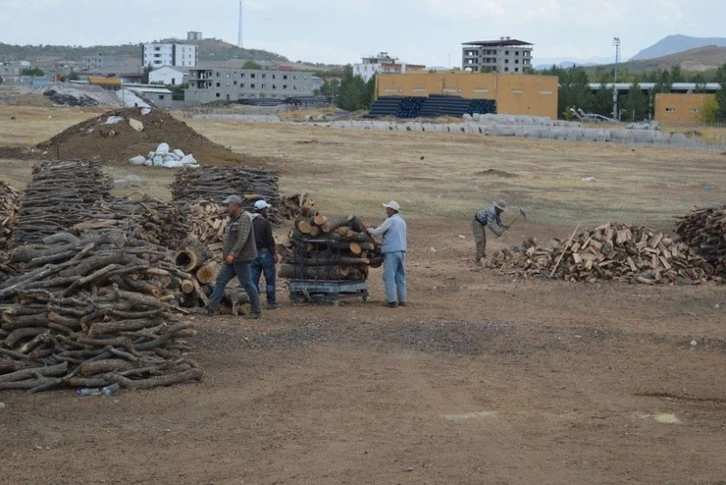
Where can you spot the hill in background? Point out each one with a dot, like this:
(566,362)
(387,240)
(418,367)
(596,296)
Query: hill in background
(674,44)
(701,59)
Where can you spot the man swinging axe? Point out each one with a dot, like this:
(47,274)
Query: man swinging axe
(487,218)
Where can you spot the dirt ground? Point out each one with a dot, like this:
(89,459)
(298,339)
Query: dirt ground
(480,380)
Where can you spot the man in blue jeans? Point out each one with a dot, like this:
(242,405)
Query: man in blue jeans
(266,253)
(239,252)
(393,231)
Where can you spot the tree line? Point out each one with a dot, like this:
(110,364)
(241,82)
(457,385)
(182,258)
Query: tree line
(636,104)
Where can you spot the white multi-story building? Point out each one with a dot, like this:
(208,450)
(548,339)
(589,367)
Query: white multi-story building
(176,55)
(503,55)
(383,64)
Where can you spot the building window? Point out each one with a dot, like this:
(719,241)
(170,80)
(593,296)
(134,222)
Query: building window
(284,76)
(284,86)
(294,87)
(695,110)
(218,95)
(516,53)
(264,76)
(242,75)
(235,83)
(252,86)
(273,76)
(226,85)
(506,53)
(274,86)
(670,110)
(252,75)
(242,85)
(161,96)
(218,74)
(218,84)
(516,69)
(263,86)
(516,61)
(506,69)
(294,77)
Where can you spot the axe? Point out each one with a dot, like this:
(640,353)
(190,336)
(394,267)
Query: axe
(521,214)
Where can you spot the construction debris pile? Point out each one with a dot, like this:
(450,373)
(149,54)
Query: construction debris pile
(9,204)
(322,248)
(617,251)
(121,134)
(92,312)
(211,183)
(704,230)
(58,197)
(164,157)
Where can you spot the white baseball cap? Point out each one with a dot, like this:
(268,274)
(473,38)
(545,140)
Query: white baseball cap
(261,204)
(393,205)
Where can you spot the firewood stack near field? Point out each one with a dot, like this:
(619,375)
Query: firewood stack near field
(92,311)
(9,205)
(59,196)
(704,230)
(213,183)
(617,251)
(322,248)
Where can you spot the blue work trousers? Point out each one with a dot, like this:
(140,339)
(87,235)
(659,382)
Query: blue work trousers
(265,264)
(394,276)
(226,273)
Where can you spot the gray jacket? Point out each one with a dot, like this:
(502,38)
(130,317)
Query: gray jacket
(239,238)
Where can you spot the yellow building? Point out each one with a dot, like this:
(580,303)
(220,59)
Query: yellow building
(515,94)
(680,107)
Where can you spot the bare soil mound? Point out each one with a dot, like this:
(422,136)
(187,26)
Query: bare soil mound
(94,139)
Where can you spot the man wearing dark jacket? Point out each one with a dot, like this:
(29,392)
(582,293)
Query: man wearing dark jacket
(239,252)
(266,254)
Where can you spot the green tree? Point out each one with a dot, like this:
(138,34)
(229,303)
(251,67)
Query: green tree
(664,82)
(353,91)
(700,81)
(574,91)
(709,110)
(636,103)
(251,65)
(721,94)
(32,71)
(602,102)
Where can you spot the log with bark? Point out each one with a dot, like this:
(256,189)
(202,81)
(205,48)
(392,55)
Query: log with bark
(59,196)
(9,206)
(320,247)
(704,230)
(615,251)
(213,183)
(101,314)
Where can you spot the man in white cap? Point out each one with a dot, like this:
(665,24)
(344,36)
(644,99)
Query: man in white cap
(393,231)
(483,219)
(239,252)
(266,252)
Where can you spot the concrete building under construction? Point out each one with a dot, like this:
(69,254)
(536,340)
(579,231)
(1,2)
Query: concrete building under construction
(515,94)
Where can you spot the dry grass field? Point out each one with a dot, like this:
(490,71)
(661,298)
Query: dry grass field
(482,379)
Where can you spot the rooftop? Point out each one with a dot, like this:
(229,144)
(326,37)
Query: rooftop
(500,42)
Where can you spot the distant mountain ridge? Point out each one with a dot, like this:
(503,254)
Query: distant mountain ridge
(674,44)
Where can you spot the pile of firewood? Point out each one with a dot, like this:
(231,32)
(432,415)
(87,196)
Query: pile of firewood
(322,248)
(216,184)
(150,219)
(704,230)
(9,204)
(619,252)
(297,205)
(59,196)
(92,312)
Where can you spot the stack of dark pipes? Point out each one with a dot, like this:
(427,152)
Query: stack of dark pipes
(213,183)
(59,196)
(91,312)
(322,248)
(704,230)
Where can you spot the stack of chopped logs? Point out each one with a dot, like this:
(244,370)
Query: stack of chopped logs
(617,251)
(216,184)
(322,248)
(9,204)
(297,205)
(704,230)
(92,312)
(148,218)
(59,196)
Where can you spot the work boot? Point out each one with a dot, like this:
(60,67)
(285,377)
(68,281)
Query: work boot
(480,261)
(272,306)
(391,304)
(403,303)
(255,315)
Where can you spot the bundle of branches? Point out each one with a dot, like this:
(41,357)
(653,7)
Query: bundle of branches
(704,230)
(150,219)
(322,248)
(617,251)
(215,183)
(60,195)
(9,204)
(92,312)
(297,205)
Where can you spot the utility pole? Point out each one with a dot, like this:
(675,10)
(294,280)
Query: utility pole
(239,31)
(616,43)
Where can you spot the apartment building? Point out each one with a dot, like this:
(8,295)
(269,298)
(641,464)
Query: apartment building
(383,64)
(504,55)
(210,85)
(175,55)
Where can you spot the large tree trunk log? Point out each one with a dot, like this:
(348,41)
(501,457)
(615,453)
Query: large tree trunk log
(104,366)
(193,255)
(207,273)
(289,271)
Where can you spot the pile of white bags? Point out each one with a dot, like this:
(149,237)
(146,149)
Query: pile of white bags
(163,157)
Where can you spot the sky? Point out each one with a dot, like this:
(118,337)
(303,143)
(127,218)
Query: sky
(426,32)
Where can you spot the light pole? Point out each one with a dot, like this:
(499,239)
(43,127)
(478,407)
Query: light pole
(616,43)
